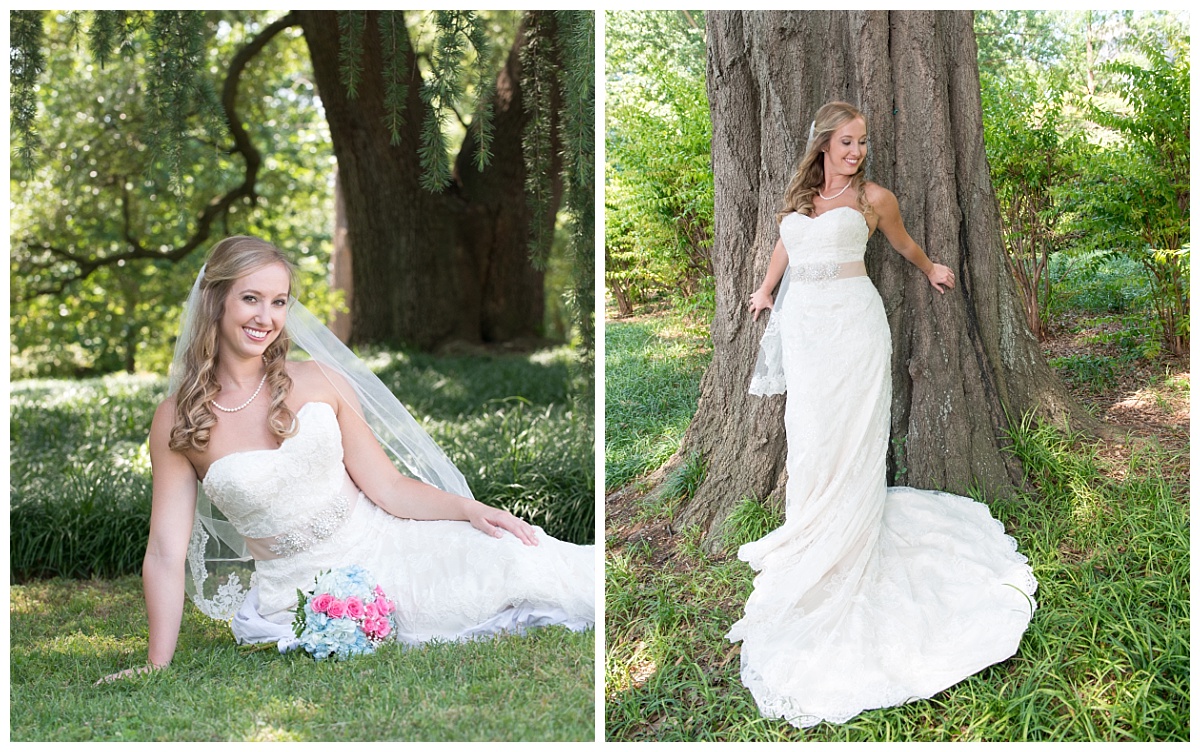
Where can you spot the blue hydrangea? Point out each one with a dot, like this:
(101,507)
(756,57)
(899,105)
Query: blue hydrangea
(324,636)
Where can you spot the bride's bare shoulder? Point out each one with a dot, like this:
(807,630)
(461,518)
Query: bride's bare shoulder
(313,383)
(877,193)
(882,201)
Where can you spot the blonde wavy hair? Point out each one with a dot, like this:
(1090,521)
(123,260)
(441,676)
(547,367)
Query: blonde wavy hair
(810,175)
(228,261)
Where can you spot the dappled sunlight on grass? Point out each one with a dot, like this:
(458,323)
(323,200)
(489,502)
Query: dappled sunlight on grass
(268,733)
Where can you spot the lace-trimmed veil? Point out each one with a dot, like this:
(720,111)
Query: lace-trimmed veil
(768,369)
(219,567)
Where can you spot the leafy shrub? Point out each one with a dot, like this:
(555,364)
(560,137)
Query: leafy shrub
(80,468)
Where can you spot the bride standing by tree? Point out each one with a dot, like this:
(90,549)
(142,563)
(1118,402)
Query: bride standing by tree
(867,596)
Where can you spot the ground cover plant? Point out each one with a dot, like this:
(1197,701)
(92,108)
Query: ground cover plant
(520,428)
(1105,525)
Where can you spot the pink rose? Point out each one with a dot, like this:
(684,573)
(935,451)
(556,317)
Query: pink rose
(354,607)
(371,611)
(337,609)
(384,606)
(320,604)
(378,627)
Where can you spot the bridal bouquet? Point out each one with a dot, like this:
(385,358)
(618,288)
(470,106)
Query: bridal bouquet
(345,614)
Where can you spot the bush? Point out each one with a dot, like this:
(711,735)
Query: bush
(80,466)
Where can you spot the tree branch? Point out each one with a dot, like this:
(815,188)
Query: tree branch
(217,208)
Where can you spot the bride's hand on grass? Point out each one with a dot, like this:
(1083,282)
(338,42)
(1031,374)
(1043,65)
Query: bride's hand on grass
(127,673)
(494,521)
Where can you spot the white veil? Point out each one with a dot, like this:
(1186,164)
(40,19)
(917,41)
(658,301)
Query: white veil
(768,369)
(220,570)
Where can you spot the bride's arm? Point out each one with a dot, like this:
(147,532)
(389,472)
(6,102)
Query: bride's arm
(887,209)
(762,298)
(401,496)
(172,509)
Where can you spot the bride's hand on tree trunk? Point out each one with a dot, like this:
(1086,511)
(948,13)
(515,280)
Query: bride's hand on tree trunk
(941,277)
(760,301)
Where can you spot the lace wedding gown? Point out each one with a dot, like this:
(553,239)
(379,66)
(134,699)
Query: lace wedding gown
(301,514)
(866,596)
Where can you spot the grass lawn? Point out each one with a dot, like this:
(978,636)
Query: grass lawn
(65,634)
(1106,656)
(518,427)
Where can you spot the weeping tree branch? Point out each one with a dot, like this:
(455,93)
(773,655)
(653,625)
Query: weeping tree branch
(216,209)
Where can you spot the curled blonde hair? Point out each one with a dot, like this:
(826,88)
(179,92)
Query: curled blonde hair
(228,261)
(810,175)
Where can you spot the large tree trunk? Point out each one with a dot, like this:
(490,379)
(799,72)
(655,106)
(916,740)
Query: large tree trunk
(964,364)
(422,273)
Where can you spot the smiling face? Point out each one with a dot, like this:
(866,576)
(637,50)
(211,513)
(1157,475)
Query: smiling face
(847,150)
(255,310)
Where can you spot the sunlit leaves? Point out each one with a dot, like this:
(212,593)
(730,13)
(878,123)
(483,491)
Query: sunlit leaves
(97,186)
(658,176)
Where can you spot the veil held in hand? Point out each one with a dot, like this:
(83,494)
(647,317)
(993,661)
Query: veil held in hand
(220,569)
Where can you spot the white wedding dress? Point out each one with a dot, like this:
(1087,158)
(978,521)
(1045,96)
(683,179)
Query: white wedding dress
(301,514)
(867,596)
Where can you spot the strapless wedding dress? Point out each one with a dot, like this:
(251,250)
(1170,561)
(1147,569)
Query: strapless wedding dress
(301,514)
(867,596)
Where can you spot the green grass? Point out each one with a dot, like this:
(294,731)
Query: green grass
(652,374)
(80,469)
(67,633)
(1105,658)
(79,507)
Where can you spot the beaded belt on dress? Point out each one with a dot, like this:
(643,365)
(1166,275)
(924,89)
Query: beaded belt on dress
(824,271)
(307,532)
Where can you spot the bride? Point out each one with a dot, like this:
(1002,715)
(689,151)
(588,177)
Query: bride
(289,453)
(867,596)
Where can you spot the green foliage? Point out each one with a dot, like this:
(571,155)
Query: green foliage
(1135,197)
(80,470)
(394,41)
(1096,371)
(1086,117)
(65,634)
(1032,151)
(80,493)
(179,93)
(749,521)
(102,219)
(101,190)
(658,172)
(577,38)
(26,63)
(455,31)
(652,376)
(351,26)
(683,482)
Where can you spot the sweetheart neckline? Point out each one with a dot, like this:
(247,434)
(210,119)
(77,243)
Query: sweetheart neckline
(282,444)
(830,211)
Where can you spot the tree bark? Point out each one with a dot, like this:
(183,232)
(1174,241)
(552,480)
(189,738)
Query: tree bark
(964,364)
(424,270)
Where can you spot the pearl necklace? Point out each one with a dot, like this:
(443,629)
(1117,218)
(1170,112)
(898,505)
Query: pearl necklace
(830,198)
(245,404)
